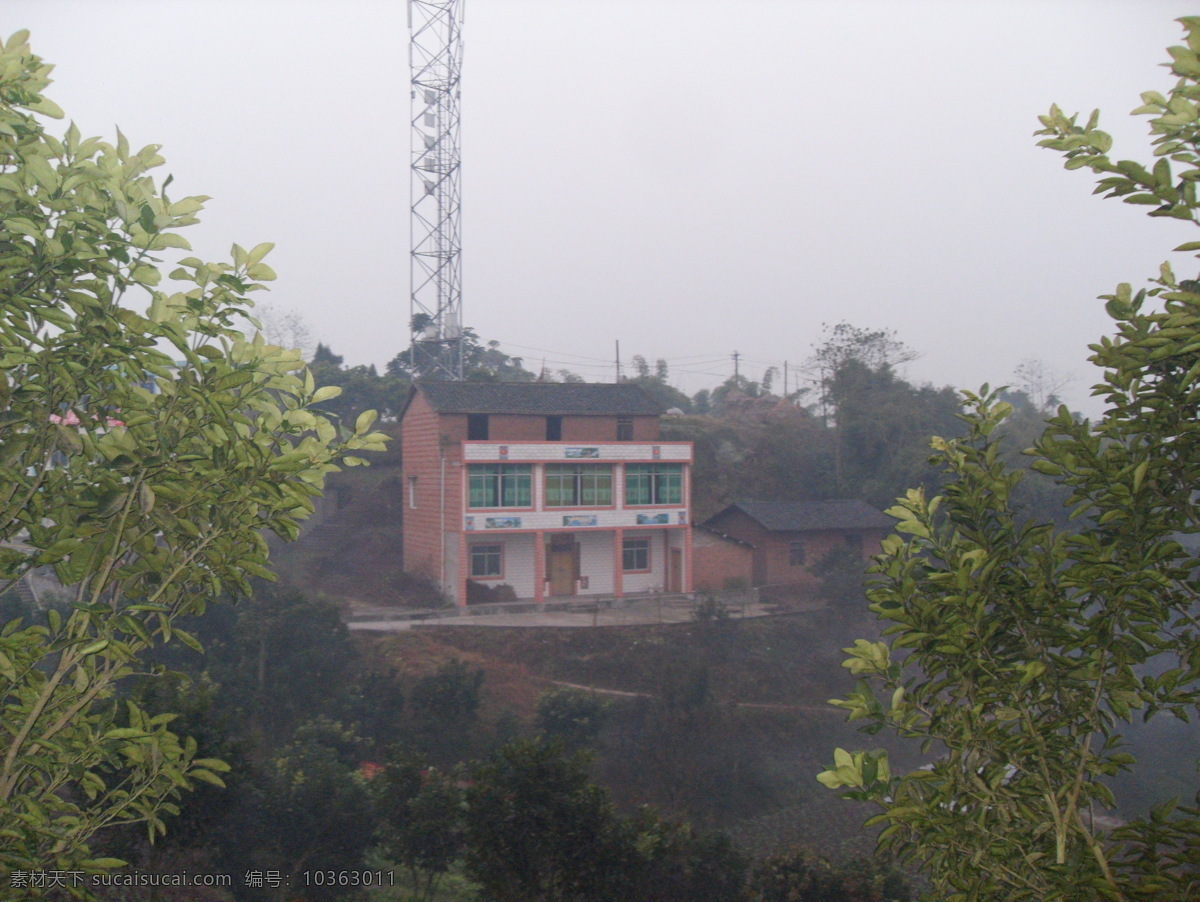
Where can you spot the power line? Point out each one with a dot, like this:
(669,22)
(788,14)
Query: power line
(685,365)
(509,344)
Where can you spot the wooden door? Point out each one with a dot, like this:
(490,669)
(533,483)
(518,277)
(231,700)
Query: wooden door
(675,571)
(560,565)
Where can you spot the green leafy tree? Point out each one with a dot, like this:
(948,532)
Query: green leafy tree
(444,713)
(284,658)
(736,398)
(793,875)
(881,431)
(539,831)
(312,808)
(792,456)
(196,705)
(1038,499)
(481,362)
(375,705)
(674,862)
(421,820)
(363,388)
(657,385)
(842,344)
(144,477)
(1018,652)
(841,572)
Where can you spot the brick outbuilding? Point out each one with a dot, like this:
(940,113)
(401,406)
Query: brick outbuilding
(788,538)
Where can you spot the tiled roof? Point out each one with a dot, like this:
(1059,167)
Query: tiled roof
(712,530)
(808,516)
(538,398)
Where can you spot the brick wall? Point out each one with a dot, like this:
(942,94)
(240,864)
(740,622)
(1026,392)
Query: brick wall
(604,429)
(777,553)
(529,428)
(717,561)
(772,555)
(422,448)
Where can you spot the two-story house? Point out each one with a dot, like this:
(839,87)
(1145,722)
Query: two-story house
(553,489)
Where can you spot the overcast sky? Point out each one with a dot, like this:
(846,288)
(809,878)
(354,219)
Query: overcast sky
(688,177)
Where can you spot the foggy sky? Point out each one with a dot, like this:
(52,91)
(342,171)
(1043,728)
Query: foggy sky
(688,177)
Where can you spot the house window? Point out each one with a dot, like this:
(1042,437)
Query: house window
(554,429)
(624,429)
(477,427)
(796,553)
(412,491)
(654,484)
(635,555)
(487,561)
(500,485)
(578,485)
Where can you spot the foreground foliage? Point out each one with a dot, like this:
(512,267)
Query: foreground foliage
(142,457)
(1018,651)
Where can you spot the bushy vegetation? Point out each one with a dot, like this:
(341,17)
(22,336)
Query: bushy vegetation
(338,761)
(1024,653)
(145,454)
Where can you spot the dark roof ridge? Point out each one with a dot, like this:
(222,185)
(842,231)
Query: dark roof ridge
(799,516)
(712,530)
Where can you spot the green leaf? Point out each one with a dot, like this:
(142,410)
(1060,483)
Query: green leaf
(913,527)
(188,639)
(99,864)
(261,250)
(146,275)
(126,733)
(164,240)
(46,107)
(207,776)
(365,421)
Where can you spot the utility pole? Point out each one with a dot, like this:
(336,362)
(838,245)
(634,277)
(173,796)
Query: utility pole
(736,374)
(435,265)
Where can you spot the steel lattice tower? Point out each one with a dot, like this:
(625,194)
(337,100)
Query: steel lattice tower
(435,269)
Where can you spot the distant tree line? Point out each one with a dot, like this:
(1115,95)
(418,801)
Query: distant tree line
(855,429)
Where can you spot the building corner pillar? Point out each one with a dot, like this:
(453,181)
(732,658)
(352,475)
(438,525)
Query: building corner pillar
(618,558)
(539,567)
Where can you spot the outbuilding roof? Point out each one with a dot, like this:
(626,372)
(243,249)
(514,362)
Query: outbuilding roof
(809,516)
(544,398)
